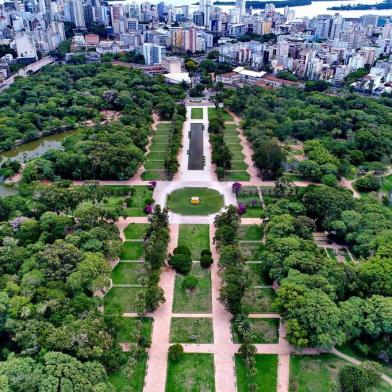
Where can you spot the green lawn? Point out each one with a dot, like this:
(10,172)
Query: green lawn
(213,112)
(237,156)
(252,250)
(235,147)
(263,331)
(309,373)
(197,113)
(158,147)
(154,165)
(195,237)
(134,384)
(131,273)
(195,301)
(131,250)
(127,328)
(386,184)
(191,330)
(137,196)
(257,276)
(231,128)
(179,201)
(154,175)
(121,299)
(156,155)
(236,176)
(193,373)
(238,165)
(247,196)
(266,376)
(331,254)
(231,137)
(155,159)
(259,300)
(135,231)
(250,232)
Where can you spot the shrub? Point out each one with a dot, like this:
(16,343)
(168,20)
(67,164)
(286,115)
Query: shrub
(225,234)
(329,180)
(206,261)
(176,352)
(353,379)
(373,371)
(368,183)
(241,208)
(190,282)
(205,252)
(181,263)
(148,209)
(149,201)
(220,172)
(182,250)
(128,201)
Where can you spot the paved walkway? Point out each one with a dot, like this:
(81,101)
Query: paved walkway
(224,356)
(223,347)
(157,357)
(247,150)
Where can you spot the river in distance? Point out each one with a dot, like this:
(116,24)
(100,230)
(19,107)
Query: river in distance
(310,11)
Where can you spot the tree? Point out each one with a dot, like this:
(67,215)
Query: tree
(38,169)
(191,65)
(190,282)
(353,379)
(304,227)
(298,305)
(225,235)
(268,157)
(92,273)
(182,263)
(317,85)
(368,183)
(59,260)
(176,352)
(310,170)
(206,261)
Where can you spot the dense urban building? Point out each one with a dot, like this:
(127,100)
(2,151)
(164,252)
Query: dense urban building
(326,47)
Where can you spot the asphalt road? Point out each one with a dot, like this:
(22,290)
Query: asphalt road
(26,71)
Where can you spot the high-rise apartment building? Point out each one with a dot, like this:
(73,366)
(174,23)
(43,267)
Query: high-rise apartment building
(153,54)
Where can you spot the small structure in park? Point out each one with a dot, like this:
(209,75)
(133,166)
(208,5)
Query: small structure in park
(195,200)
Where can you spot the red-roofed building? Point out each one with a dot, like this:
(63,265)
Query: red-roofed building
(91,39)
(275,83)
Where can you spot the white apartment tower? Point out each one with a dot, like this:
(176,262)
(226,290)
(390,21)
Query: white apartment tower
(241,5)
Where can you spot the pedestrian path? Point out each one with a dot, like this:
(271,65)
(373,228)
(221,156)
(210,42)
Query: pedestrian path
(223,348)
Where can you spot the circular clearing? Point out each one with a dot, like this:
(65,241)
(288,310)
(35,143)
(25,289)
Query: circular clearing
(180,201)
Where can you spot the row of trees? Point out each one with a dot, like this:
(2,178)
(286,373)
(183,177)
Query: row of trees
(221,154)
(156,240)
(175,142)
(235,280)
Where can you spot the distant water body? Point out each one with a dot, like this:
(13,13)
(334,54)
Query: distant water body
(314,9)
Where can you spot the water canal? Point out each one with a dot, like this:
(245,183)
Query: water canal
(195,161)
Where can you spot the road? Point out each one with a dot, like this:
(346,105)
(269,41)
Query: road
(34,67)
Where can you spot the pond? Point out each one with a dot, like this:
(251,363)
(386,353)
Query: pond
(195,160)
(26,151)
(36,148)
